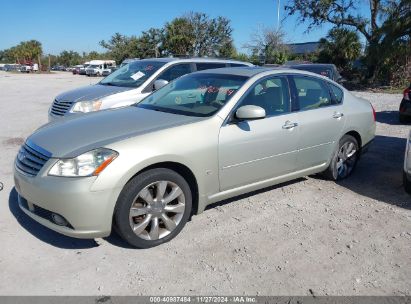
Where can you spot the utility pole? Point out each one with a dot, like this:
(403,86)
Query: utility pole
(278,15)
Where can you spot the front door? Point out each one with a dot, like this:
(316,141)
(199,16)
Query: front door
(256,150)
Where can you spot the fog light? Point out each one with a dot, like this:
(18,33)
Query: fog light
(58,219)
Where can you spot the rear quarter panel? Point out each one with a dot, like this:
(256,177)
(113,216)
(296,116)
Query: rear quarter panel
(359,117)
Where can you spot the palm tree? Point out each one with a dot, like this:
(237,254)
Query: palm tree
(341,47)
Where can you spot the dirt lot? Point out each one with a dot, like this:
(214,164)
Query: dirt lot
(306,236)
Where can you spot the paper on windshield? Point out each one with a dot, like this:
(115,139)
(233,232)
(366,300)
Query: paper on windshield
(137,75)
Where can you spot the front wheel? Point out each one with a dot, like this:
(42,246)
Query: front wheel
(344,159)
(153,208)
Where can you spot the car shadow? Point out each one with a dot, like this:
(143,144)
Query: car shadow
(378,174)
(389,117)
(43,233)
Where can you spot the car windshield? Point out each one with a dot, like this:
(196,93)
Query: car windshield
(199,95)
(317,70)
(133,74)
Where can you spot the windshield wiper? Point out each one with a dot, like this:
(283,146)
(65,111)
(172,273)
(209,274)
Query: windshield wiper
(108,84)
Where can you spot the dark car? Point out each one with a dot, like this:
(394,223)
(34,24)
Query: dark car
(76,69)
(327,70)
(405,106)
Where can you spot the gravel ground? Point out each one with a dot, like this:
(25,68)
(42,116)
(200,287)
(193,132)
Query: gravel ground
(309,236)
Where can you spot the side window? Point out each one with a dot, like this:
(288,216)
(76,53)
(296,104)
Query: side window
(337,94)
(207,66)
(175,71)
(312,93)
(271,94)
(236,65)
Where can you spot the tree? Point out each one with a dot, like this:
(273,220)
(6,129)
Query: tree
(270,44)
(120,47)
(150,43)
(389,22)
(69,58)
(341,47)
(179,38)
(212,36)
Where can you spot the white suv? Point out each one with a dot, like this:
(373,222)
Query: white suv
(131,83)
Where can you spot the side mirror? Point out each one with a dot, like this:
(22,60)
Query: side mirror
(250,112)
(159,83)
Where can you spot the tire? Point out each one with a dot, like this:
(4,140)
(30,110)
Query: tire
(407,183)
(344,159)
(153,220)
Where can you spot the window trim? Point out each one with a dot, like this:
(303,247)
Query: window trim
(230,117)
(295,92)
(150,87)
(332,94)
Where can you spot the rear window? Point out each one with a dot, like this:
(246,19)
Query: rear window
(317,70)
(236,65)
(207,66)
(337,94)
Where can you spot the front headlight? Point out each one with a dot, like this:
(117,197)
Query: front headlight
(87,164)
(87,106)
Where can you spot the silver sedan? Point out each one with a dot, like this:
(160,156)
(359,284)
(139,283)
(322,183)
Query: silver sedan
(205,137)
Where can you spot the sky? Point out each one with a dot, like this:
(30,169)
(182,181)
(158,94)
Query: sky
(80,24)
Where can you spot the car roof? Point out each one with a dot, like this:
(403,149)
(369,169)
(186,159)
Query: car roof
(191,59)
(255,70)
(301,65)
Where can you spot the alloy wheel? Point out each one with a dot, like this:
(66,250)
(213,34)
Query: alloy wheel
(346,159)
(157,210)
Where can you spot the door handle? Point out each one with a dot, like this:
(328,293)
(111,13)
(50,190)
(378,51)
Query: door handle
(289,125)
(337,115)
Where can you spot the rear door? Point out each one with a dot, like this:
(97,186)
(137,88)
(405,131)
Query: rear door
(321,120)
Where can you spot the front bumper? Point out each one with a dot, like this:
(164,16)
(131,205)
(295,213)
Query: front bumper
(89,213)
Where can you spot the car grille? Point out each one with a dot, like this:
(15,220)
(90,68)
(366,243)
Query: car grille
(60,107)
(30,160)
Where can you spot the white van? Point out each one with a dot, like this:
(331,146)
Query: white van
(131,84)
(96,67)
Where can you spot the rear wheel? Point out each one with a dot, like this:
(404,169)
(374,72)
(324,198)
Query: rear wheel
(153,208)
(344,159)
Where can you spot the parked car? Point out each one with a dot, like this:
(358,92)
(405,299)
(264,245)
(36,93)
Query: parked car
(25,68)
(82,70)
(130,84)
(405,106)
(204,137)
(407,165)
(61,68)
(327,70)
(108,71)
(97,67)
(76,69)
(11,67)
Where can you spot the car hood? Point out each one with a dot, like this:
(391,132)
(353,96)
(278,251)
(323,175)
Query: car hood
(91,92)
(71,137)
